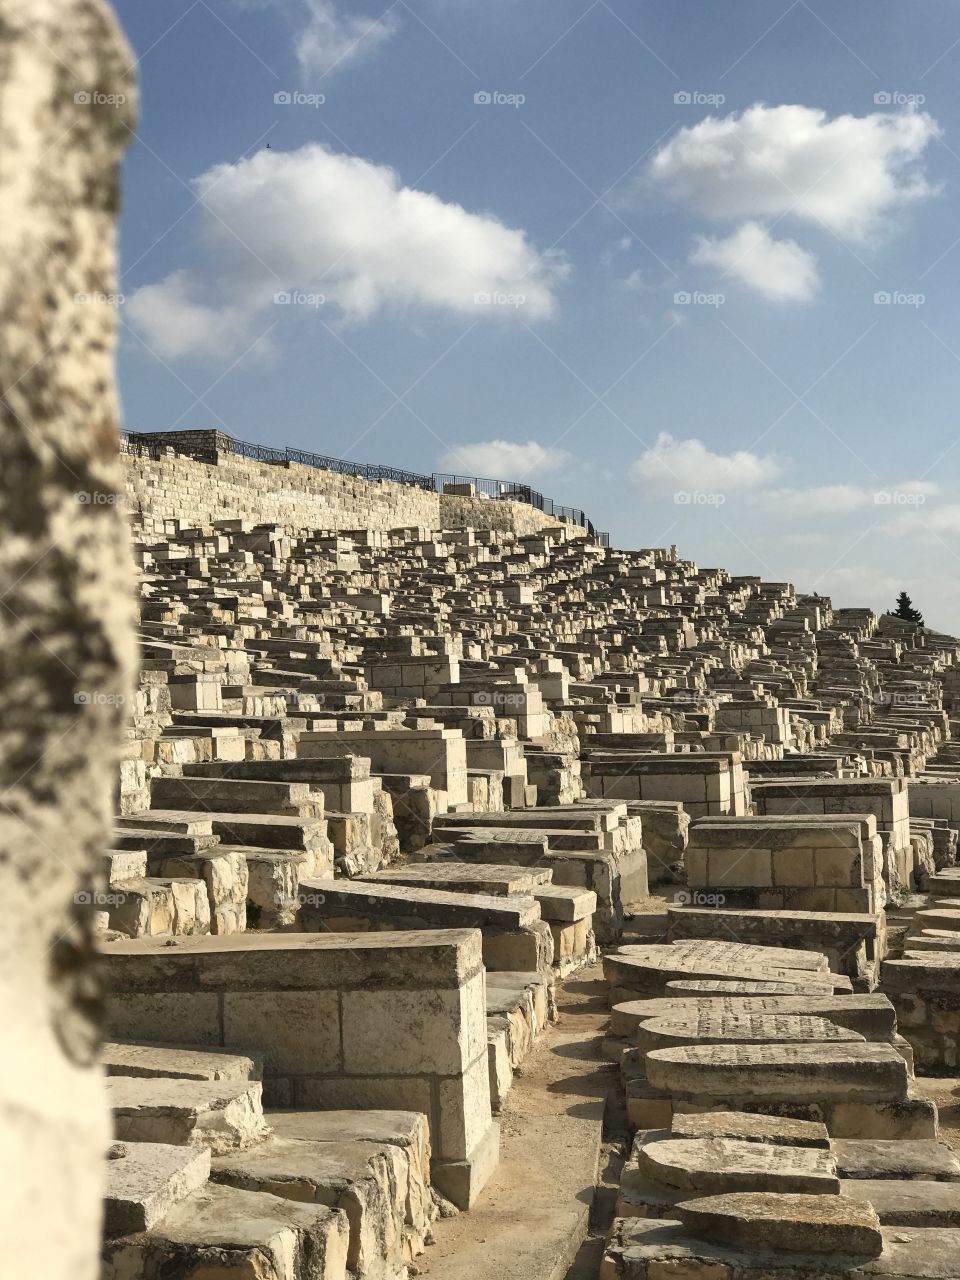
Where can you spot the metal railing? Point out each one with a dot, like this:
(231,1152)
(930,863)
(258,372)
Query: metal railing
(208,446)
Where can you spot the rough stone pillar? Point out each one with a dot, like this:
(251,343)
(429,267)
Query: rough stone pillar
(66,636)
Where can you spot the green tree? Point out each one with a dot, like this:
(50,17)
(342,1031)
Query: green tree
(905,610)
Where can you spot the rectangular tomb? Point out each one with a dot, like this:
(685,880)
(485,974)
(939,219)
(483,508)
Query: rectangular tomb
(393,1020)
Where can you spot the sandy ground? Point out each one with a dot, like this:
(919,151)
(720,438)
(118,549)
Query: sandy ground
(534,1212)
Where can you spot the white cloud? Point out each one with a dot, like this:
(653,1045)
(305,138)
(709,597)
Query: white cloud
(946,519)
(926,525)
(330,40)
(777,269)
(504,459)
(322,223)
(635,282)
(672,465)
(819,499)
(848,173)
(840,499)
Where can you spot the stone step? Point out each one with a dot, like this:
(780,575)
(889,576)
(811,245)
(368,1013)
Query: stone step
(937,917)
(153,906)
(767,1239)
(225,875)
(144,1180)
(224,1115)
(359,1178)
(220,1231)
(159,842)
(125,864)
(432,908)
(932,940)
(514,936)
(228,795)
(589,816)
(519,1006)
(177,822)
(787,1225)
(907,1202)
(340,1175)
(467,877)
(263,830)
(929,1161)
(273,884)
(946,881)
(565,904)
(402,1137)
(174,1061)
(613,877)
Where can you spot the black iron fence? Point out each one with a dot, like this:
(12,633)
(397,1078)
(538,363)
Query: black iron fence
(208,446)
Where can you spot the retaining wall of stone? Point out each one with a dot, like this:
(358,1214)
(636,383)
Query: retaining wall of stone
(159,490)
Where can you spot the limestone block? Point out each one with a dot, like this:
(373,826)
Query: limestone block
(146,1179)
(298,1030)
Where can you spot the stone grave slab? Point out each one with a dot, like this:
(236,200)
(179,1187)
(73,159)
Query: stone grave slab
(744,1126)
(719,1165)
(784,1072)
(872,1016)
(789,1223)
(707,1027)
(707,987)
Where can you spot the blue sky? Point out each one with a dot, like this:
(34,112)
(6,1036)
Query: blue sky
(694,267)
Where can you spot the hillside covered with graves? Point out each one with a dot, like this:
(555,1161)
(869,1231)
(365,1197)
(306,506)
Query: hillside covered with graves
(455,847)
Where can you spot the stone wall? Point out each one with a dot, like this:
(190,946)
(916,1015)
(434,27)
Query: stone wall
(458,512)
(235,488)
